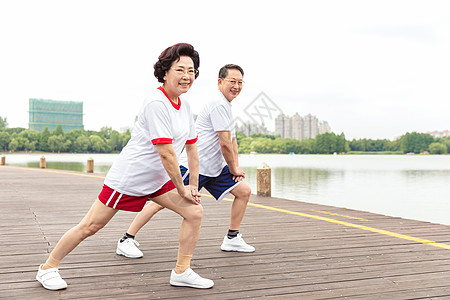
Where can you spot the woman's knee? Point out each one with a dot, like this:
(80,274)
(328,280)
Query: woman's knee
(88,229)
(195,213)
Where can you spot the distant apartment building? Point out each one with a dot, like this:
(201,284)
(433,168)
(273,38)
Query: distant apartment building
(297,127)
(324,127)
(440,134)
(49,113)
(249,128)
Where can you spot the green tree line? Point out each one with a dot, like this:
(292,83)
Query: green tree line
(329,143)
(107,140)
(76,141)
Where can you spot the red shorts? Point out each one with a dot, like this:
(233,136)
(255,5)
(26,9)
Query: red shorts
(116,200)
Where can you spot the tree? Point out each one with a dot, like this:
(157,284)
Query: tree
(13,145)
(58,131)
(105,132)
(81,144)
(56,143)
(415,142)
(97,143)
(326,143)
(437,148)
(307,146)
(114,141)
(3,123)
(4,140)
(43,140)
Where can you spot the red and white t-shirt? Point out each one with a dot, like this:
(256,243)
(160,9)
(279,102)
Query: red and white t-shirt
(215,116)
(138,171)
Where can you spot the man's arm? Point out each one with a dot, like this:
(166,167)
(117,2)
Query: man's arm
(229,151)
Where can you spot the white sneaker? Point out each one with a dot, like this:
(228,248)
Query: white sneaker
(191,279)
(236,244)
(128,248)
(50,279)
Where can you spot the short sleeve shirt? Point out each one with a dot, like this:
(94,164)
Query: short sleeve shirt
(138,170)
(215,116)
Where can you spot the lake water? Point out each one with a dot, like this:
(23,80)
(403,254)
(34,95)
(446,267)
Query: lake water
(409,186)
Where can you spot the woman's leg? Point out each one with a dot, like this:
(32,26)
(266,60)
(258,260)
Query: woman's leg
(190,227)
(96,218)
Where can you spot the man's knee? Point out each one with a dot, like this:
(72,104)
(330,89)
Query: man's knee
(243,192)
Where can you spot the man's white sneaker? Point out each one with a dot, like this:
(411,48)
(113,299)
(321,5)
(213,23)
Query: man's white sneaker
(236,244)
(128,248)
(50,279)
(191,279)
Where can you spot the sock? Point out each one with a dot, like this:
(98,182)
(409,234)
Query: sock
(232,233)
(126,236)
(51,263)
(183,262)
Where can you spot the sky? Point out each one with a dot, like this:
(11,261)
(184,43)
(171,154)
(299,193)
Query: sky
(371,69)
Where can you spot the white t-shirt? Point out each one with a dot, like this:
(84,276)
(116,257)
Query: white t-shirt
(138,171)
(215,116)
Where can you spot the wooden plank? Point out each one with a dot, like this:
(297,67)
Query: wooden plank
(296,257)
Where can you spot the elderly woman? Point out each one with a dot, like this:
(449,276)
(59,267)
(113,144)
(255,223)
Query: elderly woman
(148,168)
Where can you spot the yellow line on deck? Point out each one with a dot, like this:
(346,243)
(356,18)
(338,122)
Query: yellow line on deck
(367,228)
(335,214)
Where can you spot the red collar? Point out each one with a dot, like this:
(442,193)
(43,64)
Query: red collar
(176,106)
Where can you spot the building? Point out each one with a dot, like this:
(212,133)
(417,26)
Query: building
(324,127)
(249,128)
(297,127)
(440,134)
(283,126)
(310,127)
(49,113)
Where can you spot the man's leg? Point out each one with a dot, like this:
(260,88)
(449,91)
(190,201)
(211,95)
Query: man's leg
(127,245)
(233,241)
(241,195)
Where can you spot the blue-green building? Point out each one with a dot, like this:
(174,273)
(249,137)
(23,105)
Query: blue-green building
(50,113)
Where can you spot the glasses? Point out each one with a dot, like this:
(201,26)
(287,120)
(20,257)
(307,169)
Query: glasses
(234,81)
(181,71)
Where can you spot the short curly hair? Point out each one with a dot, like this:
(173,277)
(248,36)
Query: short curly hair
(171,54)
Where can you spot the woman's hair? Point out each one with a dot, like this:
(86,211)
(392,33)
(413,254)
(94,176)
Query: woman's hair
(223,72)
(172,54)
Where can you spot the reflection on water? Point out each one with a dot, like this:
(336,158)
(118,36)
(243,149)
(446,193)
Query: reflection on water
(414,187)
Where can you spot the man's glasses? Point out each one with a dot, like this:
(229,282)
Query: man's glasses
(234,81)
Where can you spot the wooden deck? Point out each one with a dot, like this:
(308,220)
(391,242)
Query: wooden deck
(303,251)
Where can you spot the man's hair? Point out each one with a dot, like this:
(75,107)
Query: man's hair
(171,54)
(223,72)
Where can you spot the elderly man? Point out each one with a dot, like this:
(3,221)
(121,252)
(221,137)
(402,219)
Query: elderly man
(219,172)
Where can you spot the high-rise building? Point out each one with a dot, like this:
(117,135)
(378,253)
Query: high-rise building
(281,123)
(310,126)
(249,128)
(49,113)
(324,127)
(297,127)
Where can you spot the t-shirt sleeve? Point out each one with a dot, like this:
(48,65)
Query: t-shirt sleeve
(158,123)
(193,137)
(221,119)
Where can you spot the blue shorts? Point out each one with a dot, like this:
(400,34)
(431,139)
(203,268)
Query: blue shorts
(218,186)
